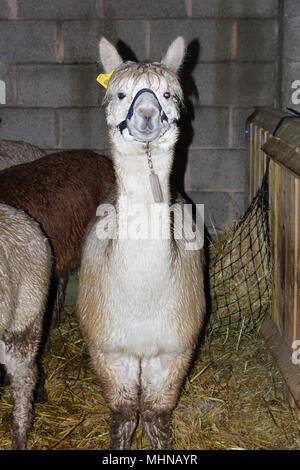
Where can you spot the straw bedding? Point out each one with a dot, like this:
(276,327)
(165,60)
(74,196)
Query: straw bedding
(233,399)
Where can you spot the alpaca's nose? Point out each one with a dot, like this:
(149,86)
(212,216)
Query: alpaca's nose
(148,112)
(149,115)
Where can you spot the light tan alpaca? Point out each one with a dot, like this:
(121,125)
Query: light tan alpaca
(141,301)
(14,153)
(25,269)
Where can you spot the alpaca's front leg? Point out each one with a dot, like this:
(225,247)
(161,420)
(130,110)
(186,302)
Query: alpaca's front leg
(60,285)
(161,381)
(119,377)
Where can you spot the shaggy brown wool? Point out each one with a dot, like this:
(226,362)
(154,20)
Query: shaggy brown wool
(61,191)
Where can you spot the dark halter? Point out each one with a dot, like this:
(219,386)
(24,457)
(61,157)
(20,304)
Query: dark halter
(163,115)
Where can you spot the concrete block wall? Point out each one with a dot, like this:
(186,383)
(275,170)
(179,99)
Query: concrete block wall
(290,52)
(48,60)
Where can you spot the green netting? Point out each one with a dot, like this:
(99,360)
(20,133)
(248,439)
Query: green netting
(240,270)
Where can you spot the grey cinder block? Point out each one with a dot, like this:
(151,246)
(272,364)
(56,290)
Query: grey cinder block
(58,9)
(83,128)
(216,208)
(27,41)
(148,9)
(291,40)
(210,127)
(81,38)
(238,205)
(216,169)
(291,7)
(241,8)
(239,117)
(213,37)
(32,125)
(257,40)
(57,85)
(235,84)
(4,9)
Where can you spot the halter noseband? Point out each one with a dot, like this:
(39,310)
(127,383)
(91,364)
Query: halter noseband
(123,124)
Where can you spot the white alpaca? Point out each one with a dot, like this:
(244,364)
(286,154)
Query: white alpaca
(141,301)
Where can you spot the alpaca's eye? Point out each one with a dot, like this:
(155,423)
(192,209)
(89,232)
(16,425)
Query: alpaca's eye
(121,95)
(167,95)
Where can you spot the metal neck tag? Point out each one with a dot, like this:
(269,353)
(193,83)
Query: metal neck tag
(154,179)
(2,352)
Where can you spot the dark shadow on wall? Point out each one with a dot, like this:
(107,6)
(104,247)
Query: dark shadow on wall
(125,52)
(187,116)
(190,94)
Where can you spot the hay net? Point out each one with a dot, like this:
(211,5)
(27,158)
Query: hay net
(240,270)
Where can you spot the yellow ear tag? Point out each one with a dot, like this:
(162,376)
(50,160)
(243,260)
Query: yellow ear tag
(103,78)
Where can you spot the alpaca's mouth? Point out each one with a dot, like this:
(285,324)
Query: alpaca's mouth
(147,130)
(145,135)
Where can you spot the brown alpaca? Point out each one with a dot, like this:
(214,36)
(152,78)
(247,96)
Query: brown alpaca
(61,191)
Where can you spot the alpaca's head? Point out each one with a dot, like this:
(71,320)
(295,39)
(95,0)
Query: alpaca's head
(142,99)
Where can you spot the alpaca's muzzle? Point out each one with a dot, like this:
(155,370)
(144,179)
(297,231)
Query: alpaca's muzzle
(150,117)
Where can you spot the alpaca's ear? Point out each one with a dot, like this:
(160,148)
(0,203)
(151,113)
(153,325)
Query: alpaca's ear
(109,55)
(175,54)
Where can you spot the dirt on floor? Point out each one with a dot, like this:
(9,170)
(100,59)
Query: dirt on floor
(234,398)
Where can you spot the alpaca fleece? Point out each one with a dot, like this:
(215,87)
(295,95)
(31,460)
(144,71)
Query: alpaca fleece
(25,269)
(14,153)
(61,191)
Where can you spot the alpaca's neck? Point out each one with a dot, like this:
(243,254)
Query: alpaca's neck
(135,200)
(133,172)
